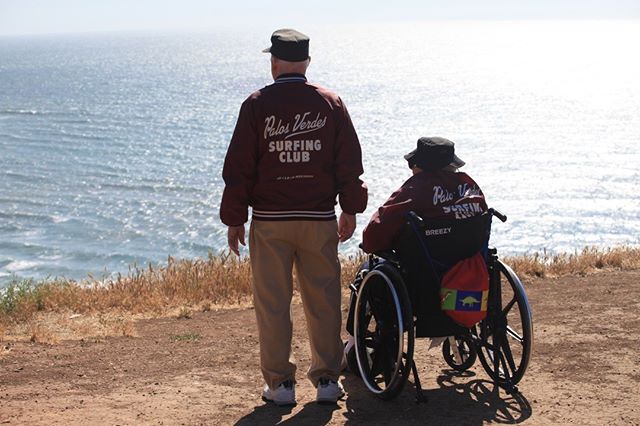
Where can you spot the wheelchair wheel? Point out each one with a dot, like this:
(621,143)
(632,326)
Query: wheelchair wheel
(459,352)
(384,332)
(509,337)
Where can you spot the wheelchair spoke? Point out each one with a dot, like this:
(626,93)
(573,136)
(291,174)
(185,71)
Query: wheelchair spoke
(377,364)
(496,357)
(511,332)
(368,334)
(387,373)
(498,362)
(390,365)
(381,363)
(374,309)
(371,343)
(504,372)
(508,355)
(490,353)
(507,308)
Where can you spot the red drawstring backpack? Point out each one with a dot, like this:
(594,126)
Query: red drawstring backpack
(464,291)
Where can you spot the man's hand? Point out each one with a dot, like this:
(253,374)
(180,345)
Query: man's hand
(235,234)
(346,226)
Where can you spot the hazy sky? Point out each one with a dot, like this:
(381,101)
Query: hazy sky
(56,16)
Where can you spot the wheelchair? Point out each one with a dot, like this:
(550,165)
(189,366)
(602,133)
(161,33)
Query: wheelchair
(395,299)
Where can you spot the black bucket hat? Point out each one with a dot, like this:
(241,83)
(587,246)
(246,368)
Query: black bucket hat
(433,153)
(289,45)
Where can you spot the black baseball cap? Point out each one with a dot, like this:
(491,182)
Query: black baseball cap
(289,45)
(433,153)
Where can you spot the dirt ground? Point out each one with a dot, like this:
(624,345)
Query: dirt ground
(204,370)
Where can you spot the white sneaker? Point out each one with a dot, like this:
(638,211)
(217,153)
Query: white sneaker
(283,395)
(329,391)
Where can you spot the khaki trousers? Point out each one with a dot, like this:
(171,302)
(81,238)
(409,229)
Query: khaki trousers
(312,246)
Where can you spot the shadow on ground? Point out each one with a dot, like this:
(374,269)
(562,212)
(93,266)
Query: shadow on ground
(459,400)
(269,414)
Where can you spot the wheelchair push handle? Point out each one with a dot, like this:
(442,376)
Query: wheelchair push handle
(415,217)
(496,213)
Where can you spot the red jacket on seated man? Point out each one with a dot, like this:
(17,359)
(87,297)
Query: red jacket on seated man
(436,190)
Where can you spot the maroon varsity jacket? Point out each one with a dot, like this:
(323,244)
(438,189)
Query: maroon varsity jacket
(293,150)
(431,194)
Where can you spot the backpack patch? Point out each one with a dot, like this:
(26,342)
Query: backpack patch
(464,291)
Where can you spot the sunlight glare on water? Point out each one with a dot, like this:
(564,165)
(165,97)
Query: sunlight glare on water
(112,144)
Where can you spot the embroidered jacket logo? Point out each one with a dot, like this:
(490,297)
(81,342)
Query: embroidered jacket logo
(293,150)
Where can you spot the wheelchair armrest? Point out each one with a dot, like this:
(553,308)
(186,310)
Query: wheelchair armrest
(414,217)
(384,254)
(388,255)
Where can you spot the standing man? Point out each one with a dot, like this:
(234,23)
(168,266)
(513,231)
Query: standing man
(293,150)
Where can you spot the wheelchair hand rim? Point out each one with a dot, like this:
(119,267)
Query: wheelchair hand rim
(356,326)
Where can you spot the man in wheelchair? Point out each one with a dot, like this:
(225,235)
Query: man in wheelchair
(427,242)
(436,190)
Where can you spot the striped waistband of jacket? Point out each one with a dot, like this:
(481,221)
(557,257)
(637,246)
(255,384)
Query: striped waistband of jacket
(293,215)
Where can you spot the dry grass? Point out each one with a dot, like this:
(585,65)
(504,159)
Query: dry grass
(184,313)
(50,311)
(52,327)
(349,268)
(216,281)
(588,261)
(42,333)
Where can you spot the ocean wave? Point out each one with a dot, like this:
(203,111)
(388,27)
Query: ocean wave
(148,187)
(74,119)
(34,217)
(12,111)
(21,265)
(23,202)
(24,178)
(83,136)
(10,227)
(128,187)
(24,138)
(21,247)
(21,112)
(60,137)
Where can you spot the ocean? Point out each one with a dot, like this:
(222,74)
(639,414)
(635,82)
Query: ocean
(112,144)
